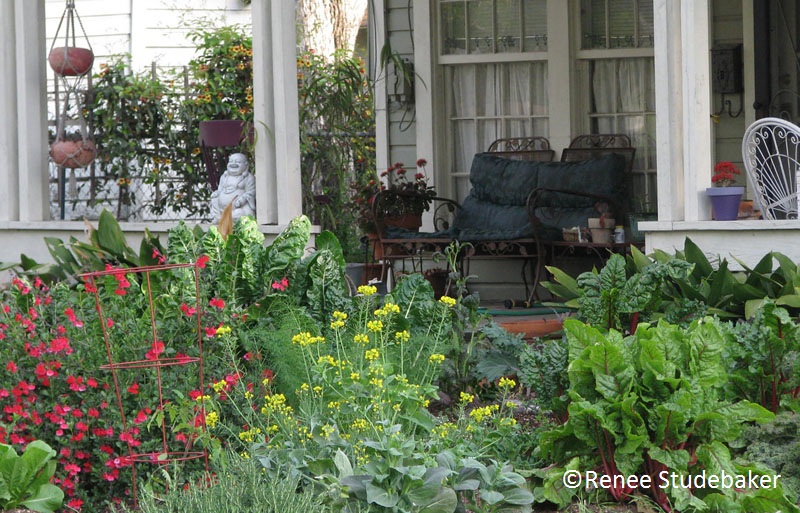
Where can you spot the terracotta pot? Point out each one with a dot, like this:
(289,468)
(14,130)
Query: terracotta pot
(71,61)
(533,328)
(406,221)
(73,154)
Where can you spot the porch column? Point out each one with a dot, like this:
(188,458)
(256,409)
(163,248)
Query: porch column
(669,114)
(683,94)
(277,147)
(31,112)
(9,133)
(698,137)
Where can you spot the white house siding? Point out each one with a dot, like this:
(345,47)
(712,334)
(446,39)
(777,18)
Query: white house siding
(400,117)
(148,30)
(152,36)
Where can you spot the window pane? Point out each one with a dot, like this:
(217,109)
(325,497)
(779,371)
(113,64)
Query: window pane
(593,24)
(535,25)
(616,23)
(509,26)
(454,37)
(646,30)
(621,23)
(480,33)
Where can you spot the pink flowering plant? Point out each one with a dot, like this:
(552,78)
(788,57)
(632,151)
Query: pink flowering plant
(725,174)
(57,386)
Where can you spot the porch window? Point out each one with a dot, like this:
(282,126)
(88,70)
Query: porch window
(491,101)
(616,82)
(616,24)
(493,26)
(489,96)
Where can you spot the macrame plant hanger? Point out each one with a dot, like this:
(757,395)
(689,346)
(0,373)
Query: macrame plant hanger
(72,65)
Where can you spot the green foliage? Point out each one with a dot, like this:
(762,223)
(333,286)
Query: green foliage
(651,403)
(677,288)
(543,368)
(766,358)
(141,133)
(25,479)
(776,444)
(337,140)
(617,297)
(241,488)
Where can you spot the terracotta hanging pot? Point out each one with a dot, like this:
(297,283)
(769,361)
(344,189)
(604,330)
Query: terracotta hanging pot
(71,61)
(73,154)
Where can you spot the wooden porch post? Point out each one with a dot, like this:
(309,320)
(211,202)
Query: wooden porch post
(30,119)
(277,149)
(683,96)
(9,134)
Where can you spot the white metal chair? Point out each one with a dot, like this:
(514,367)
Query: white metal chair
(771,153)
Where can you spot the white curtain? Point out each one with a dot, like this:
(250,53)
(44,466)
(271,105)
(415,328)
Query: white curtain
(493,101)
(624,90)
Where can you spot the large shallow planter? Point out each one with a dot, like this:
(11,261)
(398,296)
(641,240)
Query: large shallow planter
(73,154)
(71,61)
(725,202)
(406,221)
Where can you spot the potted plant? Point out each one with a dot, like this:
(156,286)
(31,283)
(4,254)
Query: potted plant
(602,226)
(222,94)
(724,195)
(404,198)
(70,61)
(72,150)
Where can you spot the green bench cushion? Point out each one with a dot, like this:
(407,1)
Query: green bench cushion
(495,208)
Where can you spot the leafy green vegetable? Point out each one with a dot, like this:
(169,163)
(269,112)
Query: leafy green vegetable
(25,479)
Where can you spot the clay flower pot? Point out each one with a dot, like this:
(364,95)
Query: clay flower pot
(601,229)
(73,154)
(71,61)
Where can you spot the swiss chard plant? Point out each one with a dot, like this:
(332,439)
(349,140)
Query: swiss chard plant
(25,479)
(653,404)
(766,359)
(619,295)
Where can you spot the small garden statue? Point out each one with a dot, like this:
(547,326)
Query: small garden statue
(237,186)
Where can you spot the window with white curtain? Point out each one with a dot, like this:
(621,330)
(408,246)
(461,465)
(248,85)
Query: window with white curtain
(498,83)
(617,82)
(487,97)
(492,101)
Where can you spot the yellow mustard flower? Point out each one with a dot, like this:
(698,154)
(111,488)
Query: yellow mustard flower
(375,326)
(507,383)
(402,336)
(436,358)
(212,418)
(465,398)
(361,338)
(372,354)
(447,301)
(367,290)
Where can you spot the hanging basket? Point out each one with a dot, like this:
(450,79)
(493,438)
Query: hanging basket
(73,154)
(71,61)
